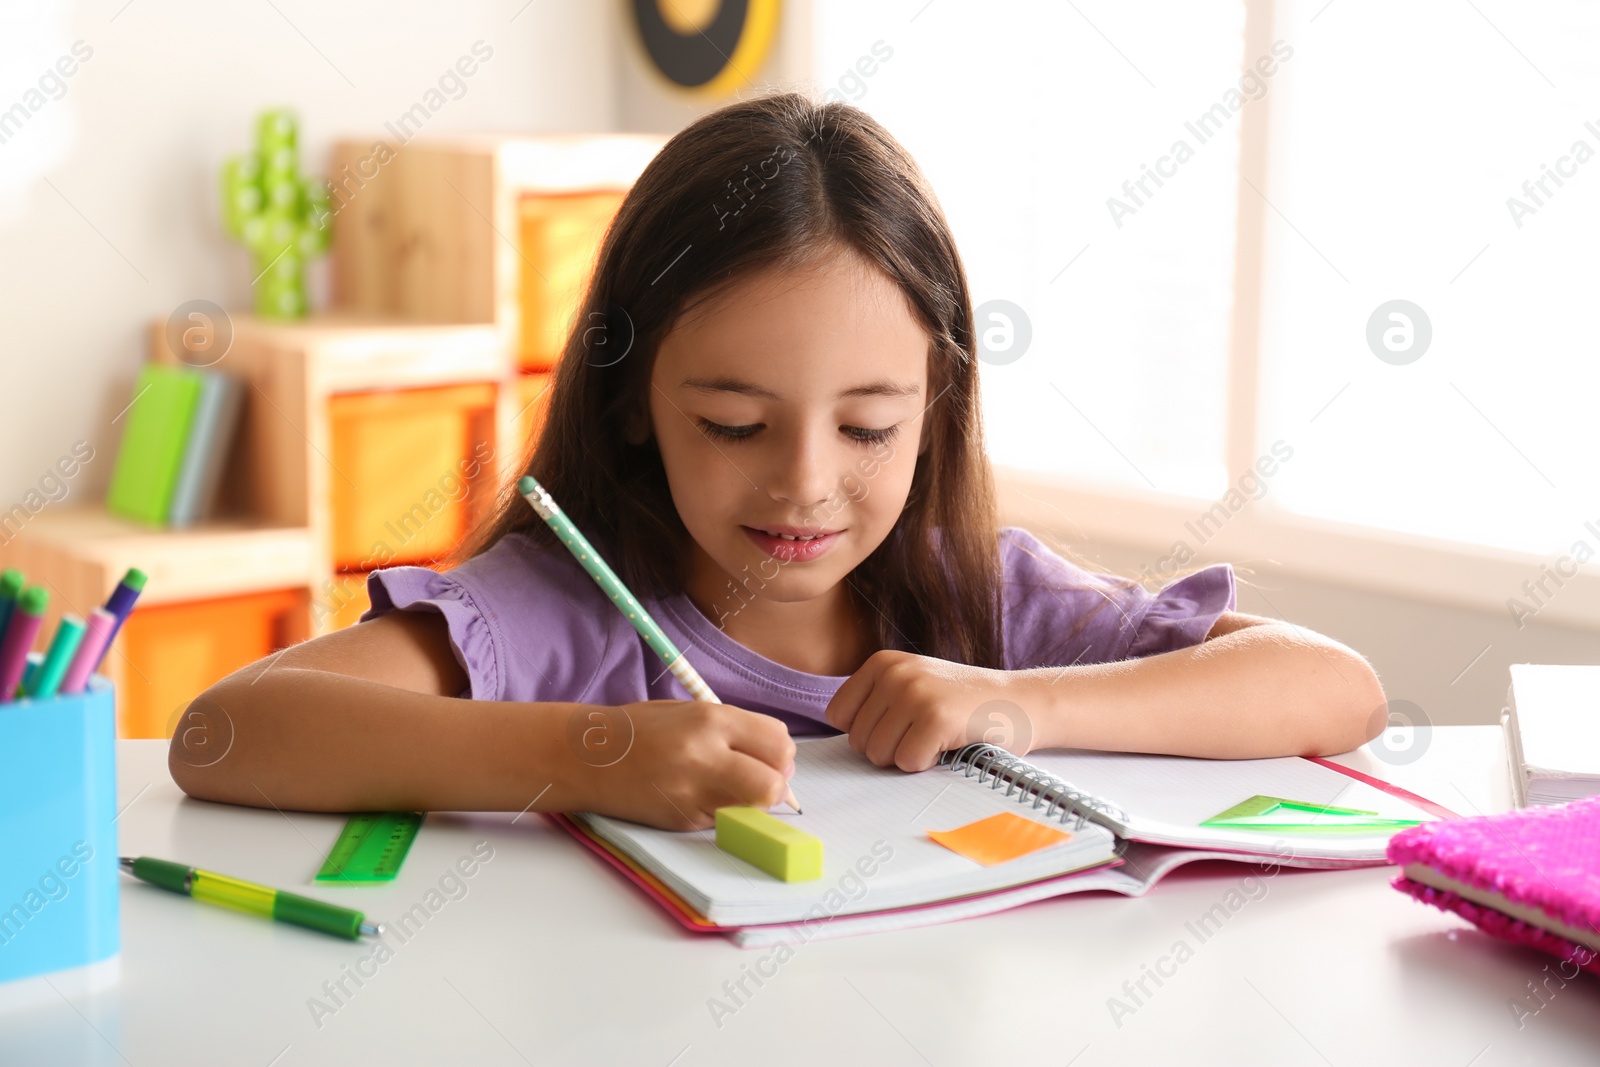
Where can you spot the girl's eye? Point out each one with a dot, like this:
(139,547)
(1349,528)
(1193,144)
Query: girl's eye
(727,433)
(872,437)
(739,433)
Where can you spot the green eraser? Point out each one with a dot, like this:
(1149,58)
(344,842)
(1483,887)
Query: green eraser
(11,583)
(34,600)
(134,579)
(773,845)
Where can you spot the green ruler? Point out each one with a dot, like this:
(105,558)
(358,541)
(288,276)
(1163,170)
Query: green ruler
(1299,816)
(370,848)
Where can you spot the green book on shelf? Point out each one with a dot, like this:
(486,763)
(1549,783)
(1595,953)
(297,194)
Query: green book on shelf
(154,437)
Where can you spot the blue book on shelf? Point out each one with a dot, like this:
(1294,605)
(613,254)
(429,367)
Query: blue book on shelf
(216,418)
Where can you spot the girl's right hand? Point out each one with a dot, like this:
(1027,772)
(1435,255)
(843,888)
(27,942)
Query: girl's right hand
(672,763)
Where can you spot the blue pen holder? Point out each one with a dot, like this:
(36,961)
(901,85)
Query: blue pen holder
(59,875)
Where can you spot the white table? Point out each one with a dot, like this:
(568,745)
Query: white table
(548,956)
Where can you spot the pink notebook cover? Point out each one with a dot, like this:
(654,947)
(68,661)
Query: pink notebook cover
(1546,858)
(693,921)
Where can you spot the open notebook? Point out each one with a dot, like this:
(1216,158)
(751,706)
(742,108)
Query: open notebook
(1164,800)
(869,819)
(878,858)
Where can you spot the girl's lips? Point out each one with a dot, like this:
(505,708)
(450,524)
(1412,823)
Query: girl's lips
(786,551)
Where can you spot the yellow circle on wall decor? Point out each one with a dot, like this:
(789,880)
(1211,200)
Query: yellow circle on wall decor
(688,16)
(707,46)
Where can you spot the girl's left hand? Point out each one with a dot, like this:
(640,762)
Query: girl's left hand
(904,709)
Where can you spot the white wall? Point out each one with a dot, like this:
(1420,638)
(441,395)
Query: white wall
(108,204)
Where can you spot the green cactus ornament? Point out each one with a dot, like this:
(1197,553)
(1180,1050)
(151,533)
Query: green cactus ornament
(281,217)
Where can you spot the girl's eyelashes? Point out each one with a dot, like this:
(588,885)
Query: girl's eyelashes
(727,433)
(872,437)
(859,434)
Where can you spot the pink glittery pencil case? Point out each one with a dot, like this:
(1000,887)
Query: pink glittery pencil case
(1531,876)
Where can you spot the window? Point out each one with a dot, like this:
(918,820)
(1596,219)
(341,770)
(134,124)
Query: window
(1392,142)
(1030,120)
(1400,144)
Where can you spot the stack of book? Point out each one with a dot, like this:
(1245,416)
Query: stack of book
(1552,724)
(179,428)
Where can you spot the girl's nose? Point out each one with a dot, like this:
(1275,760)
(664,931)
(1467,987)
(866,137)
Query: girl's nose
(805,472)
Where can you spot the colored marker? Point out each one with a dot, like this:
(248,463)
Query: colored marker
(22,628)
(540,500)
(120,604)
(46,679)
(96,636)
(11,583)
(214,888)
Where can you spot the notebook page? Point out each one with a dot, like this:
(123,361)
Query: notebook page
(1166,798)
(870,819)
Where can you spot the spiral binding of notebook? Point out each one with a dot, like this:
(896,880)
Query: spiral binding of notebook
(1017,774)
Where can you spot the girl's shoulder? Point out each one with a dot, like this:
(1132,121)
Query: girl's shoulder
(515,576)
(519,614)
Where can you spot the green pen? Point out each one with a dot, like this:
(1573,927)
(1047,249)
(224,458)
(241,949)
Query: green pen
(43,682)
(247,896)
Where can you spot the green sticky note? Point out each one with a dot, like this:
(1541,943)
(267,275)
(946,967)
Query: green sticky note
(782,851)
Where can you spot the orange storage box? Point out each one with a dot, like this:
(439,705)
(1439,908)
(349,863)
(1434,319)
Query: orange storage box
(176,651)
(533,401)
(410,469)
(561,237)
(340,601)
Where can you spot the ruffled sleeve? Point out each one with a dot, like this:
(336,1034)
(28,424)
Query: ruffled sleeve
(1058,614)
(526,622)
(421,589)
(1183,612)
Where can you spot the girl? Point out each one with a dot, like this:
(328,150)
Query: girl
(776,345)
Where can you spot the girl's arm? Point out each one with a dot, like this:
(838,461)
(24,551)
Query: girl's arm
(365,719)
(1255,687)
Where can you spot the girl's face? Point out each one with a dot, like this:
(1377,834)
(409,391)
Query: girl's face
(795,400)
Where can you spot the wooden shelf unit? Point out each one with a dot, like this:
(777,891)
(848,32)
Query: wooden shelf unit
(427,290)
(433,234)
(283,471)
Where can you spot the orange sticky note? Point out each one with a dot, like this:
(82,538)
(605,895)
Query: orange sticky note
(999,838)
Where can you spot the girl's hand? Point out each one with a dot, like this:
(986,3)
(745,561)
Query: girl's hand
(672,763)
(904,709)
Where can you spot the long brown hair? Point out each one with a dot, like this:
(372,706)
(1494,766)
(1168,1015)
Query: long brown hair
(772,181)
